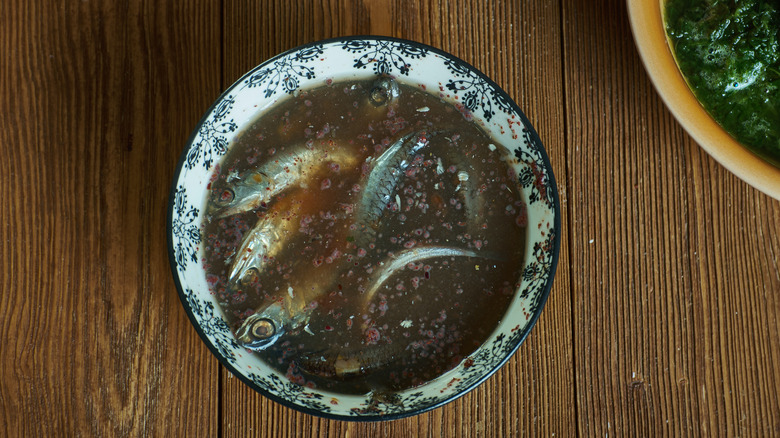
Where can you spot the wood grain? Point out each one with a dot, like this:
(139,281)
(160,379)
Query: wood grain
(533,393)
(674,267)
(98,100)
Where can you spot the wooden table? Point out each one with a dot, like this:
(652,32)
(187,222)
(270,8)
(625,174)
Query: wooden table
(664,314)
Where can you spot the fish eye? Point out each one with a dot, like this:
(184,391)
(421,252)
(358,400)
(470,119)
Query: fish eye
(263,329)
(251,276)
(225,197)
(384,91)
(379,95)
(258,333)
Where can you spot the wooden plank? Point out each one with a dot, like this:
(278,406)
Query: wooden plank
(518,44)
(99,99)
(673,259)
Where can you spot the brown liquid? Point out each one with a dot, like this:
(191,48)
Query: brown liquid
(458,192)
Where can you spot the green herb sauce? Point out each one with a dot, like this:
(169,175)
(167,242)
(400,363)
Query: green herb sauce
(729,53)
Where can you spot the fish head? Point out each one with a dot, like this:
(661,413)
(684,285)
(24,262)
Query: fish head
(242,194)
(384,91)
(262,328)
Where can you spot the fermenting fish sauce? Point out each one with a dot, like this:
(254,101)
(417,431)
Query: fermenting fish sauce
(364,236)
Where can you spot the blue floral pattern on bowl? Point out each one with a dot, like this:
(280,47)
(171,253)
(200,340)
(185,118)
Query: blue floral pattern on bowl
(344,59)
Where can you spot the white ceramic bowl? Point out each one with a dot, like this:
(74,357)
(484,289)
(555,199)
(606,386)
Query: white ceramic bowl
(342,59)
(650,36)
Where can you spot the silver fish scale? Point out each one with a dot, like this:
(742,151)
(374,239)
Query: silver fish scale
(382,183)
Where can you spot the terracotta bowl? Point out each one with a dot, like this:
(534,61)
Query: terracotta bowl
(650,37)
(327,62)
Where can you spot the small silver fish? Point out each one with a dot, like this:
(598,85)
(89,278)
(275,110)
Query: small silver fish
(265,240)
(384,91)
(386,172)
(286,169)
(289,312)
(347,363)
(414,255)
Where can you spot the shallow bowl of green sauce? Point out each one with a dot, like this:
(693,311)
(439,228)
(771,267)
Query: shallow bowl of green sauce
(716,65)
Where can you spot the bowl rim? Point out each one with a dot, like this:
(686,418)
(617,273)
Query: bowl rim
(545,292)
(646,20)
